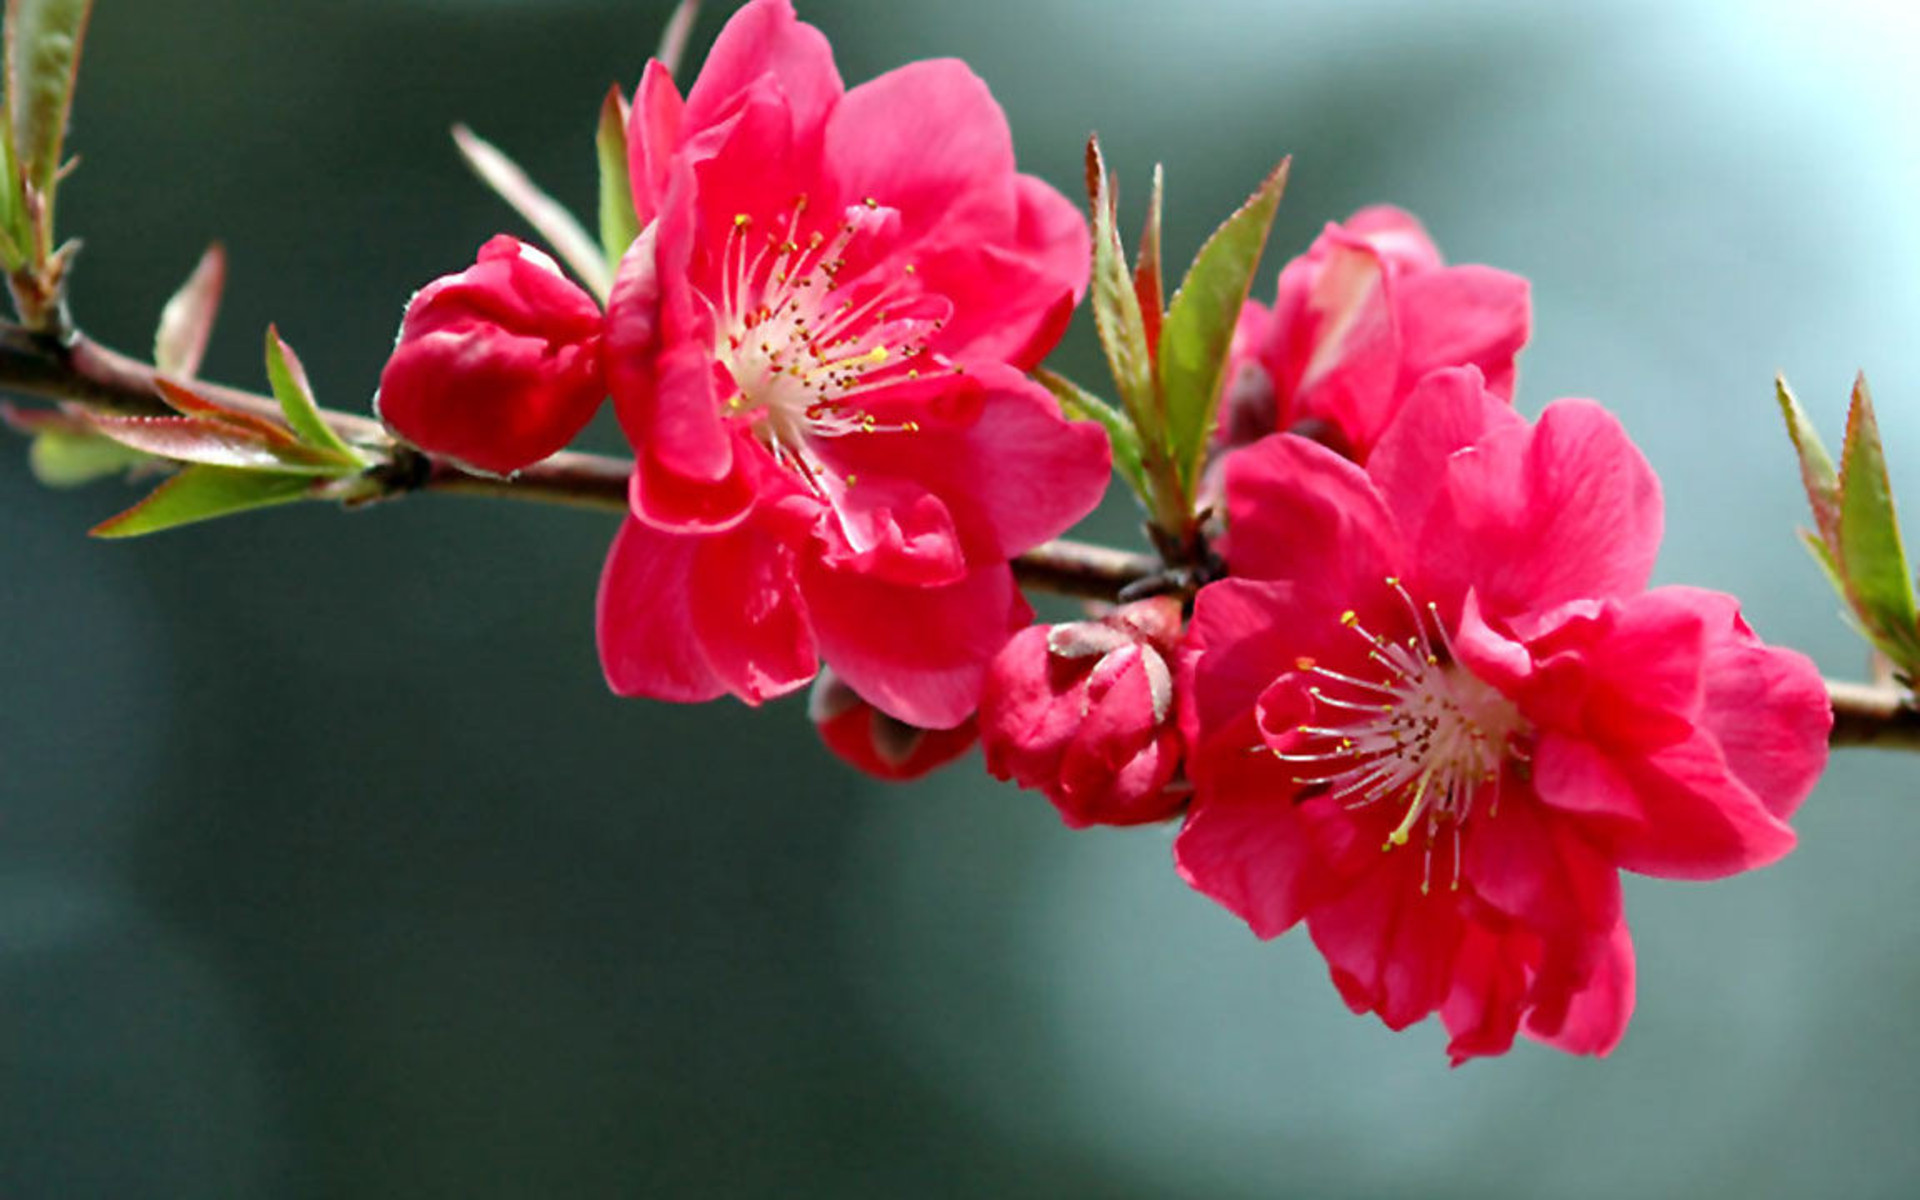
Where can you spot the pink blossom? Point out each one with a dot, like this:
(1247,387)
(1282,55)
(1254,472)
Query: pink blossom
(1451,655)
(1359,319)
(497,366)
(1084,712)
(871,741)
(816,348)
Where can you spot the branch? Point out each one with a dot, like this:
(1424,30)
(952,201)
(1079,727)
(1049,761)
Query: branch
(81,371)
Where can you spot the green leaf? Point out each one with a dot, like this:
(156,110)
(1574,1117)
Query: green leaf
(1116,306)
(1872,560)
(200,493)
(553,222)
(62,459)
(673,39)
(187,321)
(618,223)
(1816,465)
(1148,284)
(185,439)
(13,225)
(1823,556)
(290,388)
(1080,403)
(43,40)
(1201,320)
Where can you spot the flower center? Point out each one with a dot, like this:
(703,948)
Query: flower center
(1425,734)
(806,340)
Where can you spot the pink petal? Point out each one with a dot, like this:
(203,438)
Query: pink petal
(1596,1017)
(1677,813)
(748,615)
(1243,843)
(1767,706)
(644,621)
(992,446)
(1448,411)
(764,38)
(1006,307)
(1298,511)
(919,654)
(1052,234)
(1463,316)
(1390,948)
(653,134)
(1568,510)
(929,140)
(1482,1011)
(1397,236)
(1536,869)
(889,529)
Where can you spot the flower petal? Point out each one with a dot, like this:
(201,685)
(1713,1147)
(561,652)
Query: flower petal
(919,654)
(1565,511)
(993,446)
(765,38)
(1298,511)
(645,622)
(1677,813)
(929,140)
(1463,316)
(748,614)
(498,366)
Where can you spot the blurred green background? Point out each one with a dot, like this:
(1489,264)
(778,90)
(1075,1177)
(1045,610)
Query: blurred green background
(329,869)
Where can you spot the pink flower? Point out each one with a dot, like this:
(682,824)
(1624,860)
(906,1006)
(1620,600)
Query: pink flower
(870,740)
(816,348)
(1359,319)
(1084,712)
(1450,655)
(497,366)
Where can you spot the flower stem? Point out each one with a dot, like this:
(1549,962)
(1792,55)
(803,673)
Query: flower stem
(82,372)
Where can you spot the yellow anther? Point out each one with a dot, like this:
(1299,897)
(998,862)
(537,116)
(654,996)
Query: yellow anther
(1349,618)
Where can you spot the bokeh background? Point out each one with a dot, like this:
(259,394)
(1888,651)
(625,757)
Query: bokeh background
(329,869)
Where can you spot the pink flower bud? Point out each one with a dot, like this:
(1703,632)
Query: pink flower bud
(498,366)
(882,746)
(1084,712)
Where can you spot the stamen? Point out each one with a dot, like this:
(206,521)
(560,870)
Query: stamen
(1424,734)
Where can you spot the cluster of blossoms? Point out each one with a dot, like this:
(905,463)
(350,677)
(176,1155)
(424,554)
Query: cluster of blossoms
(1432,709)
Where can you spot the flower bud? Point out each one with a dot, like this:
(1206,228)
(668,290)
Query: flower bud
(882,746)
(1084,712)
(498,366)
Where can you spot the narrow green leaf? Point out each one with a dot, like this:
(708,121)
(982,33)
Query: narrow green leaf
(1816,465)
(1872,560)
(13,224)
(43,41)
(619,225)
(1080,403)
(1116,307)
(200,493)
(61,459)
(1201,320)
(1823,556)
(673,39)
(189,403)
(185,439)
(187,321)
(552,222)
(1148,282)
(290,388)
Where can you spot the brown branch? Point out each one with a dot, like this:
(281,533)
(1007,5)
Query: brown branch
(81,371)
(1870,715)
